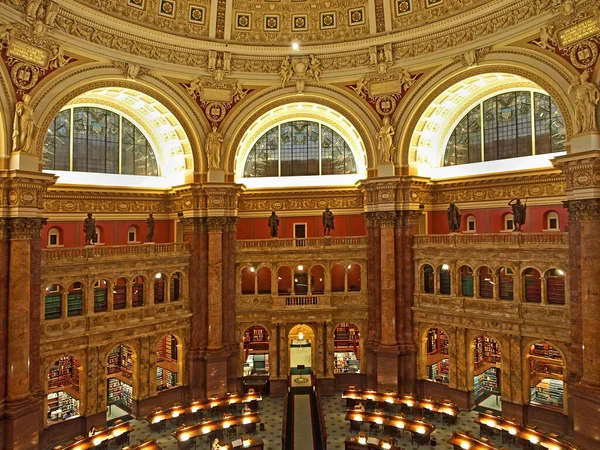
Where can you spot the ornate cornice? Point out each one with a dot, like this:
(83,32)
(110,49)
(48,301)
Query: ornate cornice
(582,170)
(194,224)
(583,210)
(220,224)
(380,219)
(300,200)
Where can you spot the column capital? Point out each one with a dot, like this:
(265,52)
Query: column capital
(194,224)
(582,174)
(583,210)
(221,224)
(26,227)
(380,219)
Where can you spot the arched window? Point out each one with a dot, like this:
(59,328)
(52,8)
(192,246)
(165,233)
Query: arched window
(505,126)
(53,302)
(428,279)
(466,279)
(486,283)
(299,148)
(555,287)
(98,236)
(120,294)
(91,139)
(75,300)
(263,280)
(532,285)
(317,279)
(337,278)
(159,288)
(131,234)
(505,281)
(100,296)
(509,222)
(284,280)
(552,221)
(248,277)
(445,280)
(54,237)
(353,277)
(471,224)
(175,287)
(137,291)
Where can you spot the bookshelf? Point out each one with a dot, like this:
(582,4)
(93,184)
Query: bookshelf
(549,392)
(100,299)
(256,340)
(445,282)
(555,290)
(75,303)
(119,393)
(345,362)
(65,372)
(61,406)
(137,292)
(533,287)
(159,289)
(52,305)
(467,282)
(119,297)
(165,379)
(486,383)
(486,350)
(120,361)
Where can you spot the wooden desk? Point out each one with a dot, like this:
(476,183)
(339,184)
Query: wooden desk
(462,441)
(446,408)
(511,429)
(421,431)
(244,442)
(118,432)
(149,445)
(183,434)
(364,441)
(217,402)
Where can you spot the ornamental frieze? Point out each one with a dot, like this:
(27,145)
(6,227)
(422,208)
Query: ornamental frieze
(26,227)
(584,210)
(380,219)
(309,201)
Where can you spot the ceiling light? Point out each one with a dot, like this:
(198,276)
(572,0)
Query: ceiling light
(295,46)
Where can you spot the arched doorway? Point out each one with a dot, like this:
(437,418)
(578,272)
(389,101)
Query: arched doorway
(437,363)
(63,395)
(546,375)
(487,356)
(300,340)
(119,382)
(346,349)
(168,363)
(256,351)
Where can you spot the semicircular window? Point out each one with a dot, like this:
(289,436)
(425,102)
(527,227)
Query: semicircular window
(300,148)
(507,126)
(90,139)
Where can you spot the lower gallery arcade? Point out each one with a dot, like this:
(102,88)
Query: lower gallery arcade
(199,198)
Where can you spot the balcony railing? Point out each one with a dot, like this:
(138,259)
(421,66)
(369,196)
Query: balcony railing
(111,251)
(302,242)
(516,239)
(302,301)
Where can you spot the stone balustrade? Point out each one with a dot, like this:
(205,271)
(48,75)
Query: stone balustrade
(302,243)
(495,240)
(93,252)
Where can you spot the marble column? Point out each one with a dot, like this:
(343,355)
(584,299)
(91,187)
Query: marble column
(581,168)
(4,266)
(372,336)
(195,233)
(215,283)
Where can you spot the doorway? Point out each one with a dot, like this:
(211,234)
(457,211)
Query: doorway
(300,234)
(300,341)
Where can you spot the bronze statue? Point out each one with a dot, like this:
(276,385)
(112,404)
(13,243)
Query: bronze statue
(273,224)
(519,212)
(150,228)
(454,218)
(89,228)
(327,222)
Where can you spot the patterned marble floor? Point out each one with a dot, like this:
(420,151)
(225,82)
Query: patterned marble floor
(334,408)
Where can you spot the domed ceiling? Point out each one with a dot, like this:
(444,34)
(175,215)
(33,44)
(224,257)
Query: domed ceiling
(282,21)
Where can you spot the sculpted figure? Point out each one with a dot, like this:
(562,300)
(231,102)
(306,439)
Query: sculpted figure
(57,58)
(273,224)
(519,213)
(327,222)
(453,218)
(315,68)
(361,87)
(406,80)
(285,71)
(384,140)
(587,96)
(213,148)
(51,13)
(547,41)
(32,8)
(23,126)
(89,228)
(149,228)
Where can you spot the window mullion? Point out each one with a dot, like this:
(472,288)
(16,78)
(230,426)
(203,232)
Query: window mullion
(482,132)
(532,115)
(71,139)
(279,150)
(120,144)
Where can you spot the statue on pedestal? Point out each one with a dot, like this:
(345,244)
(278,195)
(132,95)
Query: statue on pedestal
(213,148)
(273,224)
(519,213)
(454,218)
(150,228)
(587,97)
(89,228)
(23,126)
(327,222)
(384,141)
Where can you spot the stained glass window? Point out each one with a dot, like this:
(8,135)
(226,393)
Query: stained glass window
(90,139)
(299,148)
(509,124)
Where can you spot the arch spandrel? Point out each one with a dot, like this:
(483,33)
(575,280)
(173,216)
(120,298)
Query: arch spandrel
(527,71)
(342,103)
(89,83)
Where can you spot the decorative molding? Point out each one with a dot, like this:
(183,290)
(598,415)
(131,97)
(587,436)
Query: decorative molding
(25,228)
(583,210)
(380,219)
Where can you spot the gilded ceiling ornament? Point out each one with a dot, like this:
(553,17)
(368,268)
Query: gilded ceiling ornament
(587,97)
(472,57)
(131,70)
(547,39)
